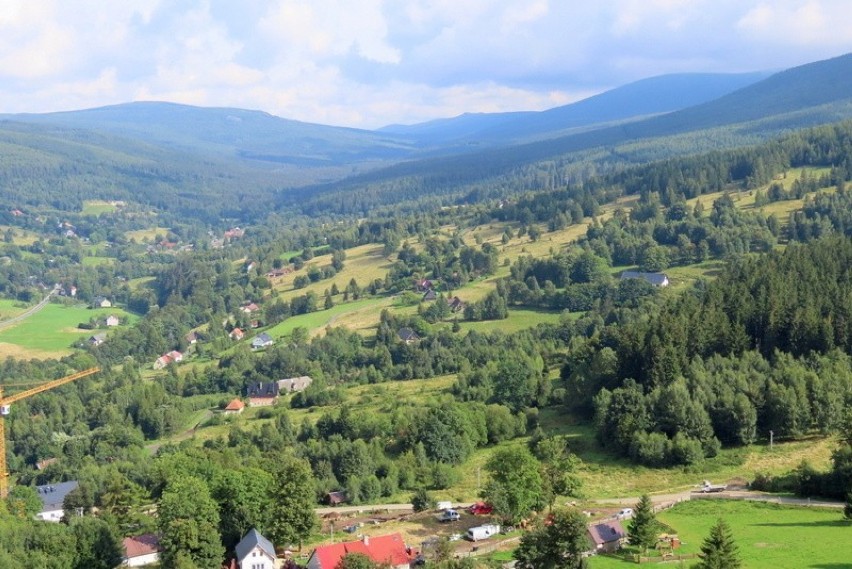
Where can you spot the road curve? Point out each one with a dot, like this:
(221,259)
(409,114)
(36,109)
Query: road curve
(30,311)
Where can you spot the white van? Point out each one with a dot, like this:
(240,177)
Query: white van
(625,513)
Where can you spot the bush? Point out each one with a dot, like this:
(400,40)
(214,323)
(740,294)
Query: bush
(421,500)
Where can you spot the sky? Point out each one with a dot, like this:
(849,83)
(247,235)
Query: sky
(369,63)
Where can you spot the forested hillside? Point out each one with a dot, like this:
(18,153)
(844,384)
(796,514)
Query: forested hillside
(453,317)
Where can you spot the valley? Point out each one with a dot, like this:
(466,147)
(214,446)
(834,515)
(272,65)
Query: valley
(533,310)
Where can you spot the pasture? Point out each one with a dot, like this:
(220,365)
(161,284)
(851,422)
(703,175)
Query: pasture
(769,536)
(51,331)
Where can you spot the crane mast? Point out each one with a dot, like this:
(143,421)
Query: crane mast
(6,402)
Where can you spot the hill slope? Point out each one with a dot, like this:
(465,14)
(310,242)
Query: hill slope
(650,96)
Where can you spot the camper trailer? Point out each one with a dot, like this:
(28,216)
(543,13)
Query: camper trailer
(482,532)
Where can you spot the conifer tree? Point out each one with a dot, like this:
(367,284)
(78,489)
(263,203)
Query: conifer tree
(642,530)
(719,550)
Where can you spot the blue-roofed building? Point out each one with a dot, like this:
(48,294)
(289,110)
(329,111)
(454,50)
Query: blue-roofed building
(255,552)
(263,340)
(52,498)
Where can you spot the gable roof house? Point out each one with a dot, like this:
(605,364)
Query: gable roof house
(52,498)
(293,384)
(141,550)
(262,394)
(235,407)
(656,279)
(237,334)
(249,308)
(456,304)
(101,302)
(388,549)
(262,341)
(112,320)
(97,339)
(191,338)
(607,536)
(176,356)
(408,335)
(430,295)
(255,552)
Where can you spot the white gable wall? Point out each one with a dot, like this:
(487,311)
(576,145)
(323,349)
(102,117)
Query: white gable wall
(257,559)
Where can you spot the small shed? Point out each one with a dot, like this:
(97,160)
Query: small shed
(607,536)
(235,407)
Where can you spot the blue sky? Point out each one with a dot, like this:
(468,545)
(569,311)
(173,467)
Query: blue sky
(367,63)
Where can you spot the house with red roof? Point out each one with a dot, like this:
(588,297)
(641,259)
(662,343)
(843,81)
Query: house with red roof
(235,407)
(141,550)
(388,549)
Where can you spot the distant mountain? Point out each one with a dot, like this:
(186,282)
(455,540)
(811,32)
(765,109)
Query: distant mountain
(640,99)
(234,133)
(812,94)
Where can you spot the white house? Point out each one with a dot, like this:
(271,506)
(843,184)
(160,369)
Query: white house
(255,552)
(52,498)
(141,550)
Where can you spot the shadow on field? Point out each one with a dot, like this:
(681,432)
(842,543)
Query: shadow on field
(821,523)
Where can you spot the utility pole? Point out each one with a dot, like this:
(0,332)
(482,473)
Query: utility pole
(771,439)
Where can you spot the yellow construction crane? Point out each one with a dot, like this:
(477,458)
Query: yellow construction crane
(6,402)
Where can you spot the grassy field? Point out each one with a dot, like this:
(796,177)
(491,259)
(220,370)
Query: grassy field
(519,319)
(10,308)
(97,207)
(141,235)
(95,261)
(769,536)
(50,332)
(22,236)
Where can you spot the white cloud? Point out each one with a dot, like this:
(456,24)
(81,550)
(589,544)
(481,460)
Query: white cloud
(380,61)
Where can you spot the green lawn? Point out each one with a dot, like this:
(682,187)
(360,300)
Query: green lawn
(97,207)
(519,319)
(769,536)
(95,261)
(10,308)
(54,329)
(318,320)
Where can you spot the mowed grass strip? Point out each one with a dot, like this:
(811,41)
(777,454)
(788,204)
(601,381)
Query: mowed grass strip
(53,329)
(97,207)
(769,536)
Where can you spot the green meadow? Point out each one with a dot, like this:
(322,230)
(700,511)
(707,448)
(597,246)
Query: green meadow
(51,331)
(769,536)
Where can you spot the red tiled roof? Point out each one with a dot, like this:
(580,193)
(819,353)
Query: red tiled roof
(382,549)
(145,544)
(235,405)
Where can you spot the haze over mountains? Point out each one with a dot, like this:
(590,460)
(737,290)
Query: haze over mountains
(218,147)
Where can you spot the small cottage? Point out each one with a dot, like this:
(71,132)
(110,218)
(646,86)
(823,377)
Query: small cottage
(263,340)
(607,536)
(141,550)
(235,407)
(255,552)
(656,279)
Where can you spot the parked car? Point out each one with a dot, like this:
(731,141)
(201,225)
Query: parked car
(481,509)
(449,516)
(625,513)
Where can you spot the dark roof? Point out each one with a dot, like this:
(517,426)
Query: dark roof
(335,498)
(430,295)
(261,389)
(251,540)
(263,338)
(607,532)
(656,279)
(406,334)
(53,495)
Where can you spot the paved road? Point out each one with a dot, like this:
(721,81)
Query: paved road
(30,311)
